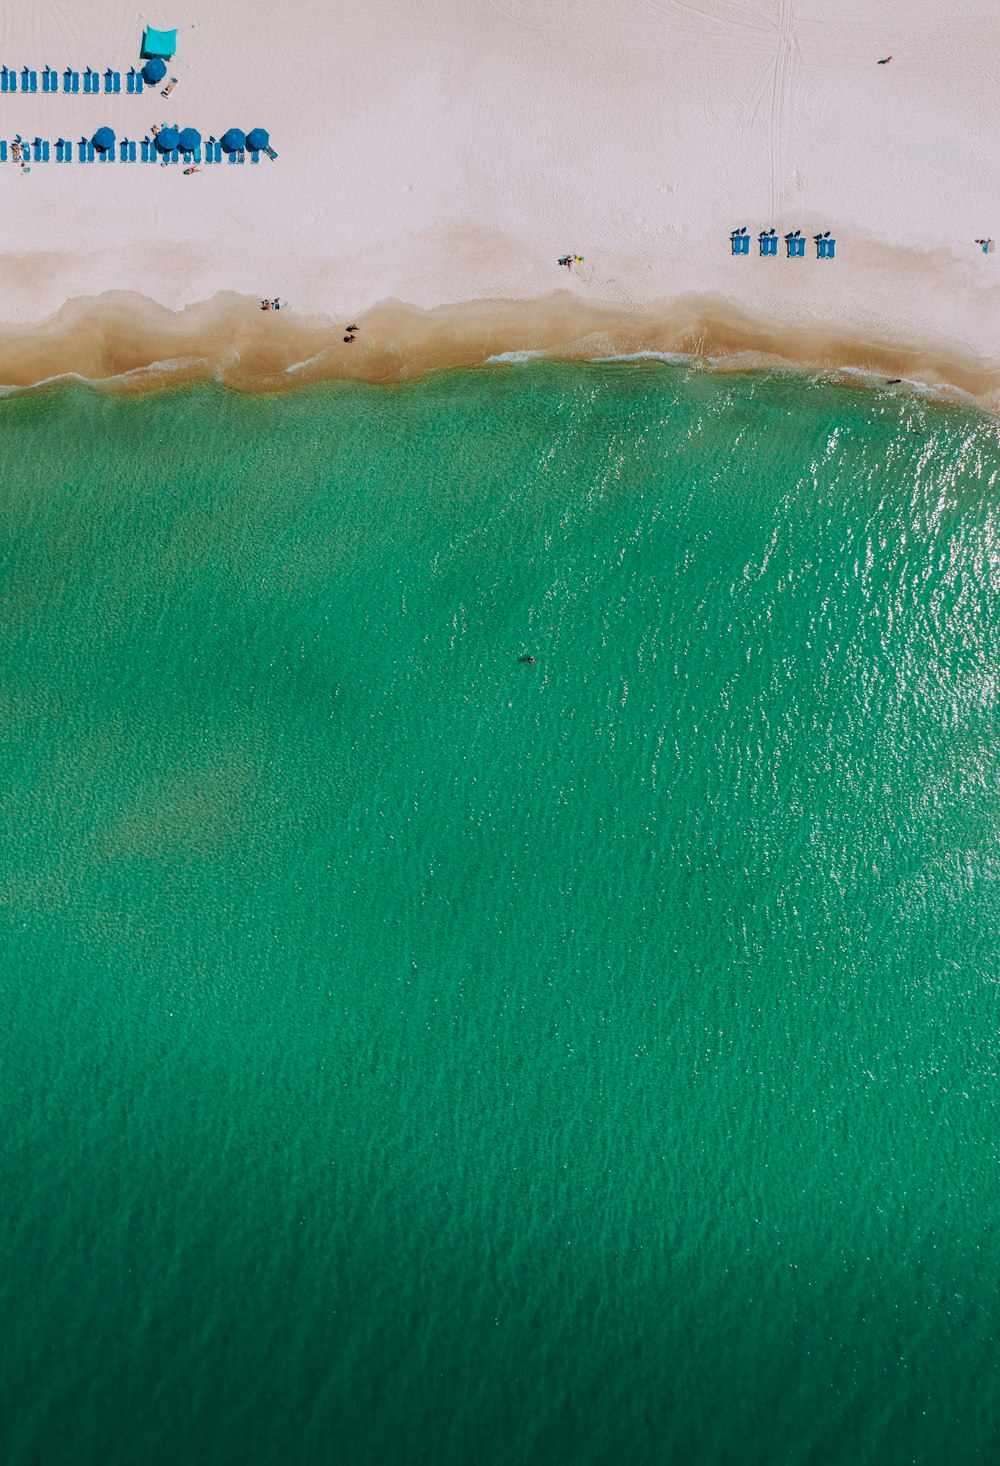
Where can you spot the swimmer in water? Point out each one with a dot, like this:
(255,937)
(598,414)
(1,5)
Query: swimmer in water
(528,661)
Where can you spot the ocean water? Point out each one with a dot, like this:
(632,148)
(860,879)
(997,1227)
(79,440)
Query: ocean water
(416,1056)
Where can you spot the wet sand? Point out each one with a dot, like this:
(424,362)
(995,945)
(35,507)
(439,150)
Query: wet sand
(125,342)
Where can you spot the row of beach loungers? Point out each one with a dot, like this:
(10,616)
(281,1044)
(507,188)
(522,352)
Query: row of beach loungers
(795,244)
(128,152)
(27,80)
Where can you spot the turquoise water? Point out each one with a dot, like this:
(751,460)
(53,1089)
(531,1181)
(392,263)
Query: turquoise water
(412,1055)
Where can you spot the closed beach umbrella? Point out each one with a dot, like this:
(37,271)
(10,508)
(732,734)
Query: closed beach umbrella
(103,139)
(190,138)
(154,71)
(234,140)
(258,139)
(167,139)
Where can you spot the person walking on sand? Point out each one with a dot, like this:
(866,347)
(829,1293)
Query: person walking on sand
(885,61)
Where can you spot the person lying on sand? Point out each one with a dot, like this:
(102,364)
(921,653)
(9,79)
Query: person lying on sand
(192,169)
(265,305)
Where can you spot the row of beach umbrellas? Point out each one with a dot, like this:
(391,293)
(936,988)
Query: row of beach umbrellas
(189,138)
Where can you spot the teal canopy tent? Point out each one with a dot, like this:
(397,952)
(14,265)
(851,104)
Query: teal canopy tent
(159,43)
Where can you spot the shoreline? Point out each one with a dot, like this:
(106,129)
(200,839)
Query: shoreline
(124,342)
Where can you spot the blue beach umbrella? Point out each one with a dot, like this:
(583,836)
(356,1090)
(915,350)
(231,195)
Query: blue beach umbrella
(258,139)
(167,139)
(190,138)
(103,139)
(154,71)
(234,140)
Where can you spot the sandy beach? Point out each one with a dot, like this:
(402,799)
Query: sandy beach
(437,157)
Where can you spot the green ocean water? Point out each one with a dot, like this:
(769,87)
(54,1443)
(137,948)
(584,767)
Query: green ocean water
(414,1055)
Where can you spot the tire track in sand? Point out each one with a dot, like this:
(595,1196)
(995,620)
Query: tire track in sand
(780,85)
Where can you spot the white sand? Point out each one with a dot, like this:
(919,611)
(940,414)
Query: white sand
(442,151)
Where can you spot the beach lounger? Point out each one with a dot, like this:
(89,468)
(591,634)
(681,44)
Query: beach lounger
(271,154)
(50,80)
(91,81)
(795,245)
(81,150)
(8,80)
(40,151)
(61,147)
(29,80)
(768,241)
(112,81)
(71,81)
(3,151)
(825,249)
(133,81)
(739,241)
(254,156)
(169,87)
(148,150)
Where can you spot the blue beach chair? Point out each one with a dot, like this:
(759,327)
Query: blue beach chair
(71,80)
(271,154)
(107,155)
(8,80)
(91,81)
(29,80)
(739,240)
(231,157)
(825,246)
(795,245)
(148,150)
(50,80)
(254,156)
(768,240)
(3,151)
(40,150)
(112,81)
(64,151)
(133,81)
